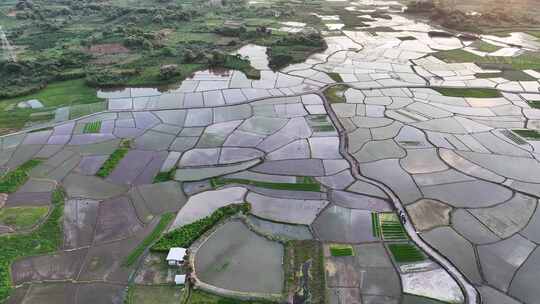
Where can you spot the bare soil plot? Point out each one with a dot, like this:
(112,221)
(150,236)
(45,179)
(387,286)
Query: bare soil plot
(104,262)
(140,294)
(79,222)
(154,270)
(51,293)
(28,199)
(116,220)
(59,266)
(100,293)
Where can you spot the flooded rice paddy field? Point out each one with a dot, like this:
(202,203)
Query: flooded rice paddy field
(405,129)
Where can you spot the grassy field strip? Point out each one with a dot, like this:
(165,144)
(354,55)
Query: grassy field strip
(468,92)
(528,134)
(526,61)
(156,233)
(45,239)
(114,159)
(14,179)
(304,183)
(22,218)
(164,176)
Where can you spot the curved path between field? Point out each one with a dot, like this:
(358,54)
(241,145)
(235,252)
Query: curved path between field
(470,293)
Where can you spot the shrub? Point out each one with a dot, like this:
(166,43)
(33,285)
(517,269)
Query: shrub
(186,235)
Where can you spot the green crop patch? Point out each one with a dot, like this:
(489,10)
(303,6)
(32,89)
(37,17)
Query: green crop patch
(528,134)
(111,163)
(468,92)
(335,77)
(14,179)
(375,226)
(391,227)
(525,61)
(92,127)
(320,123)
(162,177)
(406,253)
(486,47)
(341,250)
(512,75)
(303,183)
(187,234)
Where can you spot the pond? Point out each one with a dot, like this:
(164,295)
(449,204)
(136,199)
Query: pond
(237,259)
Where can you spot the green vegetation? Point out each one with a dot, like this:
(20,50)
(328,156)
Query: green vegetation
(240,64)
(375,225)
(525,61)
(139,43)
(303,264)
(486,47)
(528,134)
(63,93)
(201,297)
(493,14)
(294,48)
(320,123)
(158,230)
(20,218)
(534,104)
(74,94)
(303,183)
(467,92)
(162,177)
(406,253)
(341,250)
(45,239)
(14,179)
(512,75)
(143,294)
(186,235)
(92,127)
(406,38)
(113,160)
(336,94)
(391,227)
(335,77)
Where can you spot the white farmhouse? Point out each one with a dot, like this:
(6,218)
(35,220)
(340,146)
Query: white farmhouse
(176,256)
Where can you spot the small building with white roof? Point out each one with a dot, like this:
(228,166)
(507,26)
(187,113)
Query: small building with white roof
(176,256)
(180,279)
